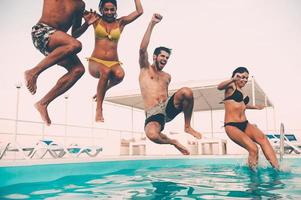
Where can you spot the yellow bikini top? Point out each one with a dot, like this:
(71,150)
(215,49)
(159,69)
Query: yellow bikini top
(101,33)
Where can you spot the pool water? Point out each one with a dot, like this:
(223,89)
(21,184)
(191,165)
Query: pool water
(203,178)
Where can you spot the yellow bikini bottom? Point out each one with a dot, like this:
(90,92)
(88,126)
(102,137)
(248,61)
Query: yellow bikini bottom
(105,62)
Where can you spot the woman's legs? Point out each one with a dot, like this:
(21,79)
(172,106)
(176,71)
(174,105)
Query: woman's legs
(116,76)
(244,141)
(108,77)
(257,136)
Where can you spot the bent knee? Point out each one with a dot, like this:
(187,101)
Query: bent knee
(79,71)
(152,135)
(74,47)
(186,92)
(119,75)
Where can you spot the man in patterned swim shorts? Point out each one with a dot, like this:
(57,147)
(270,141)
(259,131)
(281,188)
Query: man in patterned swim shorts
(50,38)
(159,108)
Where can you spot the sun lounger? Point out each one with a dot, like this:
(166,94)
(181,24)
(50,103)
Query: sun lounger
(12,146)
(57,150)
(48,146)
(290,143)
(76,150)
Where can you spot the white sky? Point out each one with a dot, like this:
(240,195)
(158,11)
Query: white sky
(209,38)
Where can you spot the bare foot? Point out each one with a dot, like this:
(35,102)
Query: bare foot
(253,168)
(99,116)
(30,81)
(43,112)
(193,132)
(181,148)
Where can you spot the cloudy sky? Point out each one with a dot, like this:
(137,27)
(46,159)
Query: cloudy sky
(209,38)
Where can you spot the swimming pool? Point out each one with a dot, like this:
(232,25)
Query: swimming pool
(170,178)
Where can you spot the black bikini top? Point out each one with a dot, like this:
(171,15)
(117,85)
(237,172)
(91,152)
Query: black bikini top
(238,97)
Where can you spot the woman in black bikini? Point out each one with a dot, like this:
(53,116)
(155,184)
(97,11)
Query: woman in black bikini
(237,126)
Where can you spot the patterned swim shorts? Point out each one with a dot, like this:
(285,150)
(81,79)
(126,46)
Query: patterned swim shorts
(162,112)
(40,34)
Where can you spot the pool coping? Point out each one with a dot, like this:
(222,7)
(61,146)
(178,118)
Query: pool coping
(13,163)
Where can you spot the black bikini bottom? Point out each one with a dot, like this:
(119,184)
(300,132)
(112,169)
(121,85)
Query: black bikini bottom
(240,125)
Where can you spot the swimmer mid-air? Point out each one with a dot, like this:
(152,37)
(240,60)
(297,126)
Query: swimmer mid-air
(154,82)
(50,37)
(104,63)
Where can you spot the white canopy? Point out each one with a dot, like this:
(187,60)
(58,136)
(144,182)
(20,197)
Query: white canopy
(206,95)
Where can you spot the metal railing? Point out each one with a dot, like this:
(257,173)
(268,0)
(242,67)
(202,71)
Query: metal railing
(59,130)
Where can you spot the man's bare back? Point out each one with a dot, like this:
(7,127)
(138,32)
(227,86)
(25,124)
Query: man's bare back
(59,14)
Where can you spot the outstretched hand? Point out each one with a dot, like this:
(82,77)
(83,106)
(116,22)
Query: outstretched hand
(156,18)
(90,16)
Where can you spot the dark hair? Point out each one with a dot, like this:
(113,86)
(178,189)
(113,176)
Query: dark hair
(239,70)
(103,2)
(159,49)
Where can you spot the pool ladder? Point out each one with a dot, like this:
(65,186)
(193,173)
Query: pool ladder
(282,141)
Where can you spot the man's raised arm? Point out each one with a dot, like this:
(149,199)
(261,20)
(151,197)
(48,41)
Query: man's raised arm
(143,56)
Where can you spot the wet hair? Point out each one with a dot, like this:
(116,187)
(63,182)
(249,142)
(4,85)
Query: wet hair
(239,70)
(159,49)
(103,2)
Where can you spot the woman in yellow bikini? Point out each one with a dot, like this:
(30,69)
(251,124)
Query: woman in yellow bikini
(104,62)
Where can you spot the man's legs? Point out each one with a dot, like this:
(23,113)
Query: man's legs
(75,71)
(61,45)
(153,132)
(183,99)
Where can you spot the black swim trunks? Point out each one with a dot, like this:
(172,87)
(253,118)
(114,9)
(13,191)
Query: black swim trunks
(40,34)
(162,112)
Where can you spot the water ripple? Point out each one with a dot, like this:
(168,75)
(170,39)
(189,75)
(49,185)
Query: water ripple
(228,181)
